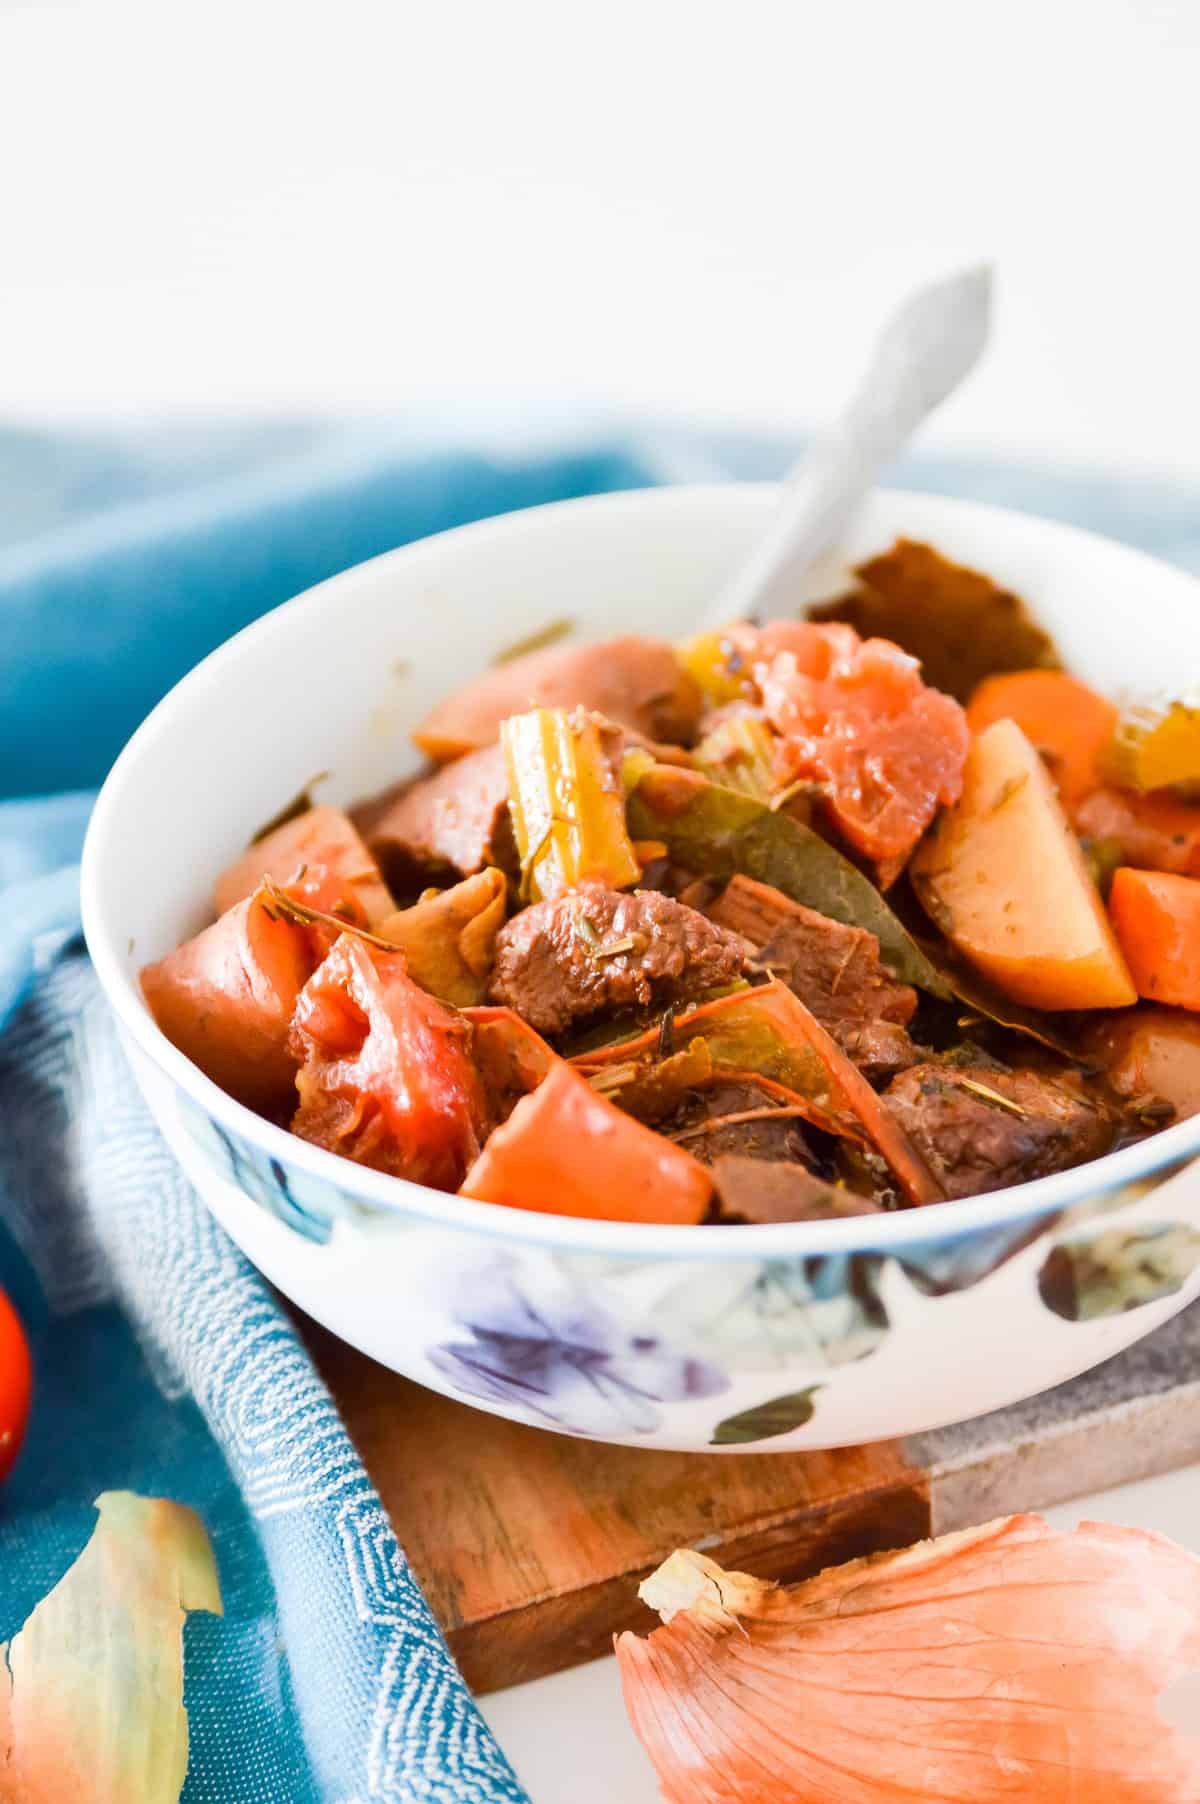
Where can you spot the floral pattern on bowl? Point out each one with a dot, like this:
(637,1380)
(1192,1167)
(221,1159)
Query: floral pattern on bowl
(564,1356)
(299,1201)
(725,1353)
(1118,1269)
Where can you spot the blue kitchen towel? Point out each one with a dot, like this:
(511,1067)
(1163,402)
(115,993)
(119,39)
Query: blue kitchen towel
(163,1362)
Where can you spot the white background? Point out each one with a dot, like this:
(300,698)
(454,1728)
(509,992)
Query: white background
(523,210)
(689,207)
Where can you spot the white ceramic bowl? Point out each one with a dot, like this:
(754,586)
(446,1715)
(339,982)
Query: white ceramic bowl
(802,1335)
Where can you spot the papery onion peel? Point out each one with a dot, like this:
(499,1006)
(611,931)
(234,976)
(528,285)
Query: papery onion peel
(91,1689)
(1006,1662)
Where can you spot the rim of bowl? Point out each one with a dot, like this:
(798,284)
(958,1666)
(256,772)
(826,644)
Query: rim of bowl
(400,1197)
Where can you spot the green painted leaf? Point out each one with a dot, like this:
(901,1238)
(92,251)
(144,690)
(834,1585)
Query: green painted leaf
(718,833)
(772,1315)
(1082,1280)
(766,1420)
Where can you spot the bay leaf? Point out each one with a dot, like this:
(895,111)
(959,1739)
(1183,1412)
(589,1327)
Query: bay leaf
(717,833)
(983,998)
(956,621)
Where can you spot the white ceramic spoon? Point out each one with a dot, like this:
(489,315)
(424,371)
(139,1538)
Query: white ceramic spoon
(926,349)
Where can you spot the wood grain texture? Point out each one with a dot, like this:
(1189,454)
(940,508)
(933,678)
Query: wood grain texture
(530,1545)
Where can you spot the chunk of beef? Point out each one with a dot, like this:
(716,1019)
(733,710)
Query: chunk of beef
(635,681)
(834,969)
(594,948)
(767,1190)
(880,1049)
(980,1129)
(741,1118)
(457,818)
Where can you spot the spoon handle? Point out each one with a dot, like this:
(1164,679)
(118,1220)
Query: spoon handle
(929,345)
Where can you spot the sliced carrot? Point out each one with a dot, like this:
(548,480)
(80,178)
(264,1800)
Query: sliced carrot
(769,1031)
(1068,723)
(226,997)
(323,861)
(1156,916)
(565,1150)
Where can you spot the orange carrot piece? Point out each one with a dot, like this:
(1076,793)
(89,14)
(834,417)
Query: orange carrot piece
(339,874)
(769,1031)
(225,999)
(1068,723)
(565,1150)
(1156,917)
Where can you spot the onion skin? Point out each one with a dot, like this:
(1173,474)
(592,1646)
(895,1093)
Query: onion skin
(91,1689)
(1010,1662)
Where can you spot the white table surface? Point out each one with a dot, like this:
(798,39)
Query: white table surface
(571,1744)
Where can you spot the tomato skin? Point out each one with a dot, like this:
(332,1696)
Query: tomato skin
(854,717)
(386,1076)
(16,1383)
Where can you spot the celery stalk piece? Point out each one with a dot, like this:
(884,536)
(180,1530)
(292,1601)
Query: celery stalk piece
(738,752)
(567,802)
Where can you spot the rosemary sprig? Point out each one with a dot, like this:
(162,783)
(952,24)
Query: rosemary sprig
(614,948)
(585,930)
(613,1077)
(786,1112)
(283,906)
(990,1095)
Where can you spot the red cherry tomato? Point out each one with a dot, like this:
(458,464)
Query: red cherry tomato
(16,1377)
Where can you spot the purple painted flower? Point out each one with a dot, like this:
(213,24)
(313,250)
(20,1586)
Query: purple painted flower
(563,1358)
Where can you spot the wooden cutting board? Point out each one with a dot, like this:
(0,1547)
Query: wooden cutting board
(530,1545)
